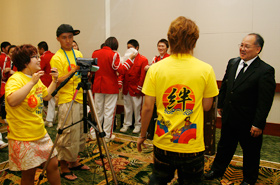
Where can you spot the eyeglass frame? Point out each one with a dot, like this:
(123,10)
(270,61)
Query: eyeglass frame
(35,56)
(246,46)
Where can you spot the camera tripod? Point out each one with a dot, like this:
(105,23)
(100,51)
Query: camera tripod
(97,126)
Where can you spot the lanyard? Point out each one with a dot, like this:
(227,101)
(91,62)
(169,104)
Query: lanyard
(69,60)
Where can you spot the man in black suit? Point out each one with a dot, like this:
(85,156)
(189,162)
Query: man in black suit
(245,99)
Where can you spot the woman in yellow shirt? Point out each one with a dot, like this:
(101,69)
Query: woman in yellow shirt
(29,142)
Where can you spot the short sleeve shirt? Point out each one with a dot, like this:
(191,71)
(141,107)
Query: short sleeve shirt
(179,83)
(25,120)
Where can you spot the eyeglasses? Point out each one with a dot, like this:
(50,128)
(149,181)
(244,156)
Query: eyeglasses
(246,46)
(35,56)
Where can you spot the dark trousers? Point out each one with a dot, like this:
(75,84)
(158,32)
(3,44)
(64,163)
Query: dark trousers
(189,167)
(251,146)
(151,128)
(2,104)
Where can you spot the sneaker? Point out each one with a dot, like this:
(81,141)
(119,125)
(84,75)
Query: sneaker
(107,140)
(48,124)
(136,130)
(92,136)
(113,136)
(124,129)
(3,145)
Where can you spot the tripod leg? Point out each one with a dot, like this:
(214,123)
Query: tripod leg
(55,143)
(95,116)
(101,155)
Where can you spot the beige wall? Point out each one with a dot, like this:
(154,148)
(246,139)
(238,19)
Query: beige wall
(222,23)
(32,21)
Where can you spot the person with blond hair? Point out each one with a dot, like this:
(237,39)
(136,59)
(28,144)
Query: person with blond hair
(183,87)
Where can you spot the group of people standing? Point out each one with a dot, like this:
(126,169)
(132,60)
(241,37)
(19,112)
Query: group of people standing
(126,74)
(7,69)
(180,87)
(52,69)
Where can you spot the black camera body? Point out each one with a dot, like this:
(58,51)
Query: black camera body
(87,64)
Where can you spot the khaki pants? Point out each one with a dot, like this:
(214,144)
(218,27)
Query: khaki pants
(72,140)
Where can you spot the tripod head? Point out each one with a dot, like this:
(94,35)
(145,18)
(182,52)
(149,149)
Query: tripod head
(87,65)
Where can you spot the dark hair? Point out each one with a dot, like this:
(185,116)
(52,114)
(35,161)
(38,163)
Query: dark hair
(22,55)
(163,41)
(182,35)
(12,46)
(4,45)
(112,42)
(76,44)
(259,40)
(134,43)
(102,45)
(43,45)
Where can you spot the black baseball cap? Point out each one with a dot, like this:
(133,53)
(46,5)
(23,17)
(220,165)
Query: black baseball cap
(66,28)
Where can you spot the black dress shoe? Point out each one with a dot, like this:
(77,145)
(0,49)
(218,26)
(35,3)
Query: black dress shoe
(244,183)
(211,175)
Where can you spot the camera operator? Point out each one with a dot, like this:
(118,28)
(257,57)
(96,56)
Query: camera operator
(72,140)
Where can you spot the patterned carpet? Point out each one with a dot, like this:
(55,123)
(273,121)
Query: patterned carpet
(134,168)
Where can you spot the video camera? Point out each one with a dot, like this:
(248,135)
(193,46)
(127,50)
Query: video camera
(87,64)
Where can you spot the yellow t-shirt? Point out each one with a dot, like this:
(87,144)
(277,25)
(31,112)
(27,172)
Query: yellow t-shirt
(25,120)
(59,61)
(179,84)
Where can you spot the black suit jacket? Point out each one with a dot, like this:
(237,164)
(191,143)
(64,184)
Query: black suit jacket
(247,101)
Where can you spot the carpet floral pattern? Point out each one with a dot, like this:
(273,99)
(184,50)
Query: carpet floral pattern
(134,168)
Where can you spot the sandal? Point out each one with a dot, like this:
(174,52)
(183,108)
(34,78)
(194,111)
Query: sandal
(79,167)
(63,175)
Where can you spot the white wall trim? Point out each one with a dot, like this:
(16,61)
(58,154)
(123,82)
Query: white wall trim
(107,19)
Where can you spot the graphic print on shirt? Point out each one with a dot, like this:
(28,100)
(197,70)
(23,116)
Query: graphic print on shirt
(71,67)
(35,101)
(178,100)
(184,134)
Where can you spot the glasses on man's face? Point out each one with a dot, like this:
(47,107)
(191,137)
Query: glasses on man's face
(35,56)
(246,46)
